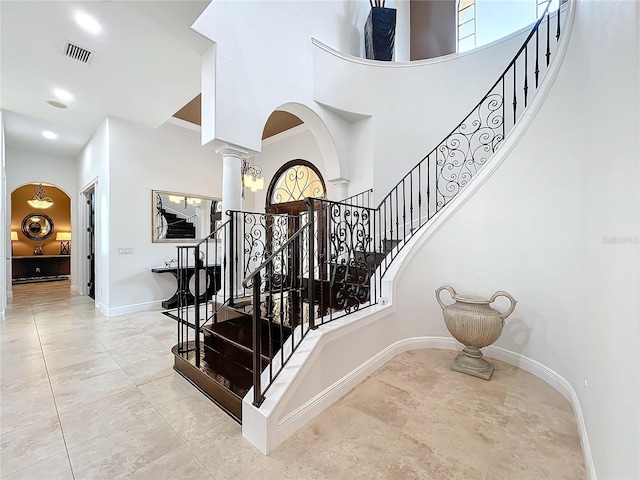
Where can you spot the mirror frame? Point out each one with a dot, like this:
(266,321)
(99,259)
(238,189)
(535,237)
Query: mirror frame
(155,195)
(27,233)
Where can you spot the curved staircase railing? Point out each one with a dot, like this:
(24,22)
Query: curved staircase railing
(449,167)
(330,267)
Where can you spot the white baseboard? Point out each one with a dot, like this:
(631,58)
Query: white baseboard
(134,308)
(75,288)
(333,393)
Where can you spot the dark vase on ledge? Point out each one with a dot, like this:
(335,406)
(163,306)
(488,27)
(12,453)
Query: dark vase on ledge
(380,33)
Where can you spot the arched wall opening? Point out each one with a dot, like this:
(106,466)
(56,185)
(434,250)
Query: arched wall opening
(333,168)
(300,135)
(41,238)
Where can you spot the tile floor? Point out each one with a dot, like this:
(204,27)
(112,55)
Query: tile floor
(84,396)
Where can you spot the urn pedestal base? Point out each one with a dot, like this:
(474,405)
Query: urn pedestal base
(470,361)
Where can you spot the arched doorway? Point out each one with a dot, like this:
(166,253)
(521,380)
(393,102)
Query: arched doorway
(40,235)
(292,183)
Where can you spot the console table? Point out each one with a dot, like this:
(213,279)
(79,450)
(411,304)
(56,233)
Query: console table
(213,282)
(38,268)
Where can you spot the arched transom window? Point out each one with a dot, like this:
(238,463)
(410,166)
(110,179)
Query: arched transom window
(296,180)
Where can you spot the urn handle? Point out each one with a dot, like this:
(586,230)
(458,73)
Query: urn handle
(451,291)
(511,299)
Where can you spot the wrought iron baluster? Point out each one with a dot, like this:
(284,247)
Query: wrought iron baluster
(411,200)
(515,101)
(526,74)
(548,54)
(420,193)
(404,211)
(397,223)
(537,71)
(558,29)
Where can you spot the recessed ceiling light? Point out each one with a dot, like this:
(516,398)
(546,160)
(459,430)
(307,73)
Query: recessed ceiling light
(57,104)
(49,134)
(62,94)
(87,22)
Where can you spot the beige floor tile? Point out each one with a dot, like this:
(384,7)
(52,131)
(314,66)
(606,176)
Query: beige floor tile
(340,443)
(30,445)
(26,409)
(53,468)
(16,367)
(122,451)
(387,403)
(99,364)
(417,380)
(225,452)
(192,416)
(167,389)
(407,458)
(413,418)
(272,469)
(179,464)
(151,369)
(71,393)
(84,423)
(452,434)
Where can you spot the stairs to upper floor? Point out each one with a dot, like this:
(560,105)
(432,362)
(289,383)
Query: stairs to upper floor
(333,264)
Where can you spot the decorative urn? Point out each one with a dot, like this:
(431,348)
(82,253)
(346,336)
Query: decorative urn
(476,325)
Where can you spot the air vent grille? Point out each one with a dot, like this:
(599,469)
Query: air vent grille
(76,52)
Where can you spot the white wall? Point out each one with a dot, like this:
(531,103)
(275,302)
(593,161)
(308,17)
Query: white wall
(406,102)
(412,106)
(4,262)
(264,51)
(24,166)
(557,226)
(543,228)
(93,169)
(140,160)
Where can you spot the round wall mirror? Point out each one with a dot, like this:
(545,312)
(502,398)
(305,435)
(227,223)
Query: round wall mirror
(37,226)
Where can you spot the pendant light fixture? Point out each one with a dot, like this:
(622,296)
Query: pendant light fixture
(39,200)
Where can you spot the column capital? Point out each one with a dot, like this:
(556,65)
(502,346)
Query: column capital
(339,182)
(232,151)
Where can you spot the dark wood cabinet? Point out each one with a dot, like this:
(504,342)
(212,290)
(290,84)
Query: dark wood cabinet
(40,267)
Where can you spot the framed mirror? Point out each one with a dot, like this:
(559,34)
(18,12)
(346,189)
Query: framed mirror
(183,218)
(37,226)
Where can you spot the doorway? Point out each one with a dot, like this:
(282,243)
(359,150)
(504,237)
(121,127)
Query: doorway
(90,241)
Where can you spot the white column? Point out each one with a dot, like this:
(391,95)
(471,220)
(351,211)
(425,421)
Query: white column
(231,178)
(341,186)
(232,200)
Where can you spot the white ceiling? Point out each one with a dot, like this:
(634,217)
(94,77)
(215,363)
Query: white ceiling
(145,68)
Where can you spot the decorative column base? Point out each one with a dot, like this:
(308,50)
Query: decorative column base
(471,362)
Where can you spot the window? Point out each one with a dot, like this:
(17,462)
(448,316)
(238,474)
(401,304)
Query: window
(296,180)
(484,21)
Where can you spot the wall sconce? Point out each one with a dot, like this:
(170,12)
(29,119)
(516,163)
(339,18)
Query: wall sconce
(14,238)
(251,176)
(64,238)
(39,200)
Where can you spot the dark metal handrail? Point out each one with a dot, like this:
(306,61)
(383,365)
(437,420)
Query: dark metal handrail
(444,171)
(347,244)
(359,198)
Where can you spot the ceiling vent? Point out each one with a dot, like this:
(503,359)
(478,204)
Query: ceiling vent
(76,52)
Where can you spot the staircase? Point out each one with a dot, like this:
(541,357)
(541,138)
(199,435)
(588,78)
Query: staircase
(279,285)
(178,227)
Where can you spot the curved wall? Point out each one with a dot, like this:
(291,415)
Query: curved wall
(557,226)
(413,106)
